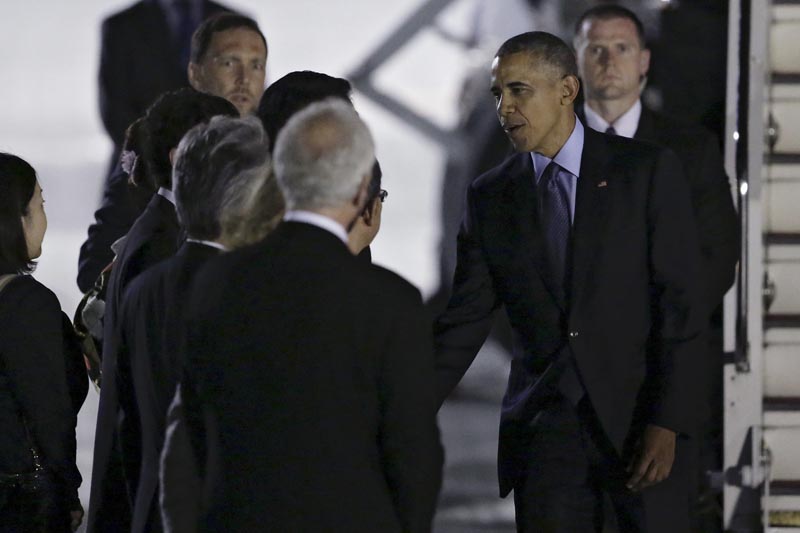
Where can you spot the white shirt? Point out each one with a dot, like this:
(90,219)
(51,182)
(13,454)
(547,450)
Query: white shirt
(168,194)
(320,221)
(625,126)
(212,244)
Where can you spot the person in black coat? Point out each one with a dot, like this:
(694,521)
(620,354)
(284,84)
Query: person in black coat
(154,237)
(143,54)
(225,197)
(316,366)
(42,379)
(613,63)
(239,78)
(589,242)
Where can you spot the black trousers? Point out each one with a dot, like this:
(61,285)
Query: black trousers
(573,467)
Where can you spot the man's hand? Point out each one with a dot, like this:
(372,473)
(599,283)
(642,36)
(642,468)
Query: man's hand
(653,459)
(76,517)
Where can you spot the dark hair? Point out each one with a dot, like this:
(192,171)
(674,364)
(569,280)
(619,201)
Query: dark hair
(291,93)
(612,11)
(201,38)
(17,184)
(374,187)
(546,47)
(167,121)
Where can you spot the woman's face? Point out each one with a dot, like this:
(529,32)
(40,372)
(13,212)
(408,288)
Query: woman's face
(34,224)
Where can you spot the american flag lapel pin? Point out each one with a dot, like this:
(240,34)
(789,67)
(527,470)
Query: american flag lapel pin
(603,183)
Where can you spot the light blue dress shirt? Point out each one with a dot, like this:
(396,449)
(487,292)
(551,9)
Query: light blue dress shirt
(569,159)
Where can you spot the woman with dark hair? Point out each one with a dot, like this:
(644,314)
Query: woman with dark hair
(42,379)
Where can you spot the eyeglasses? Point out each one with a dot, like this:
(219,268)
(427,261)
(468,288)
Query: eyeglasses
(383,194)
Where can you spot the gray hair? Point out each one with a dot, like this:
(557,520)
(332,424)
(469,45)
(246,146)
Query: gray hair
(223,182)
(322,155)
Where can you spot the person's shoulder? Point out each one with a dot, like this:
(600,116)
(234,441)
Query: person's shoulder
(124,16)
(670,130)
(25,292)
(390,285)
(496,178)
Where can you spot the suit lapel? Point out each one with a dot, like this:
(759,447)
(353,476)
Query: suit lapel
(645,130)
(524,215)
(591,208)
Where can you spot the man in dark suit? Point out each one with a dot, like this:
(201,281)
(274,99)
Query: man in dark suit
(589,242)
(228,59)
(152,238)
(613,62)
(222,174)
(317,366)
(144,53)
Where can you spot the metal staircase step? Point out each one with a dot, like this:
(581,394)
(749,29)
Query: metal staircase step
(785,487)
(782,238)
(782,158)
(782,320)
(782,403)
(786,77)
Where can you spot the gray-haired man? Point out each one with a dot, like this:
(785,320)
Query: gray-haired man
(225,196)
(317,366)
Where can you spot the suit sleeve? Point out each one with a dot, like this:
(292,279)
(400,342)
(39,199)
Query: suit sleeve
(462,329)
(409,435)
(36,367)
(120,207)
(679,311)
(717,223)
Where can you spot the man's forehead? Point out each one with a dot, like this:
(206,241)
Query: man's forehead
(619,28)
(242,39)
(520,65)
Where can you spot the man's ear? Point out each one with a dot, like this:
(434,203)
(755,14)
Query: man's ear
(360,198)
(193,71)
(570,85)
(644,63)
(370,213)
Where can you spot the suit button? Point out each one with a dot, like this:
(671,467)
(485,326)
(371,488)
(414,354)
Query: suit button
(573,334)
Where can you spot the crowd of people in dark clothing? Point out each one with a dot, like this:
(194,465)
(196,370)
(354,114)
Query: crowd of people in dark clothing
(258,373)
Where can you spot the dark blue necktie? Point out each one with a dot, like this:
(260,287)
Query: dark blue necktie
(556,223)
(555,217)
(611,131)
(184,29)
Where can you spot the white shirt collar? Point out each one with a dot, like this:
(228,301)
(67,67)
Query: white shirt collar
(625,126)
(212,244)
(568,157)
(168,194)
(315,219)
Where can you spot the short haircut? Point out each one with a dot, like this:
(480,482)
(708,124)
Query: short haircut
(202,36)
(223,181)
(291,93)
(17,185)
(545,47)
(167,121)
(611,11)
(322,155)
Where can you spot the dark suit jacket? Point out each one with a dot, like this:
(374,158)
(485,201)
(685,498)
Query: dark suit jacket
(150,320)
(121,205)
(117,453)
(42,384)
(635,274)
(139,60)
(319,368)
(717,225)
